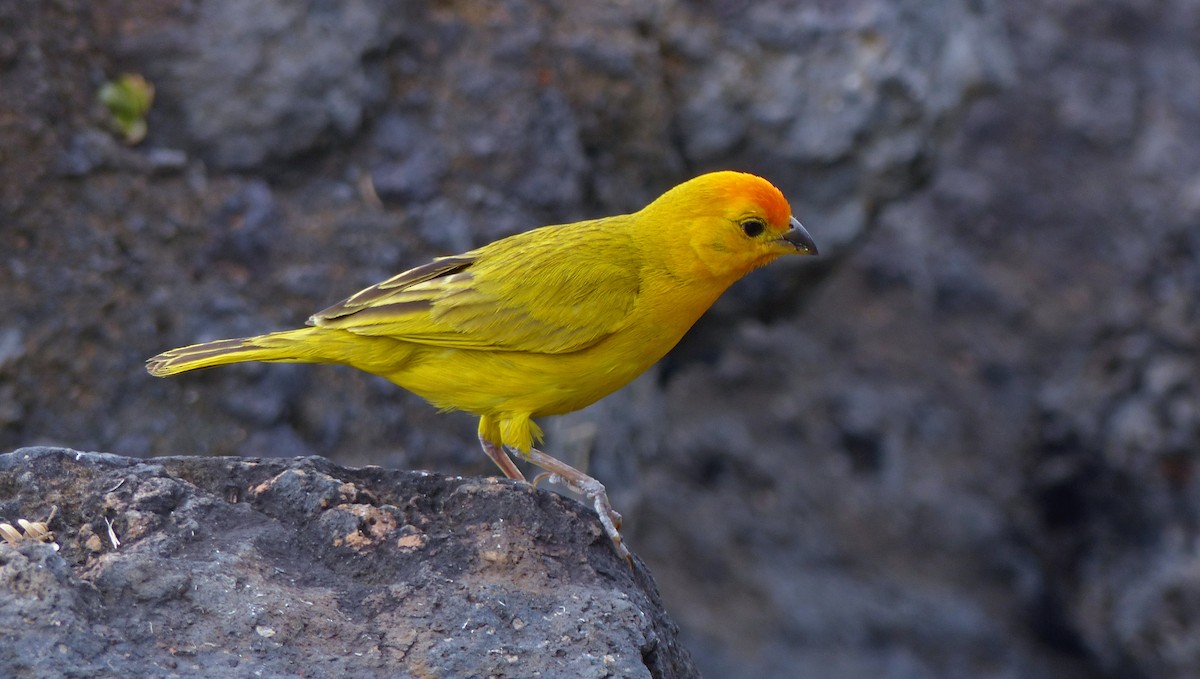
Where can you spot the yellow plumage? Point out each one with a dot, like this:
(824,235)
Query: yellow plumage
(543,322)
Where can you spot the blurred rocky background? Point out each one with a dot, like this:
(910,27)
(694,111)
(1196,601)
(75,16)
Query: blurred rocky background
(960,443)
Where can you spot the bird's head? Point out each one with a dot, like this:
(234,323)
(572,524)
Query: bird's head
(726,224)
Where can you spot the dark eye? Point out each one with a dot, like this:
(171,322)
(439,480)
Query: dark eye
(753,227)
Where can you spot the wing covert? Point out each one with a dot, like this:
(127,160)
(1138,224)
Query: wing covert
(551,290)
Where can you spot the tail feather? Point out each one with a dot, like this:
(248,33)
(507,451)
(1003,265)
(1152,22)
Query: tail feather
(290,346)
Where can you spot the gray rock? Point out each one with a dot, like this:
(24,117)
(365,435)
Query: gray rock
(246,84)
(201,567)
(960,443)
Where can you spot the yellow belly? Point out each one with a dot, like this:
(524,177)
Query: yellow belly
(504,382)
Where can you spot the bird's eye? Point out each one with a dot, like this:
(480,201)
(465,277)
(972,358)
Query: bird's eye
(753,227)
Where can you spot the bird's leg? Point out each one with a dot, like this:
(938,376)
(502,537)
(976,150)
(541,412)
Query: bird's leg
(588,487)
(502,460)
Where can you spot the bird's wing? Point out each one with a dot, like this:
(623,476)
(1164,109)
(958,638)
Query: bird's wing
(540,291)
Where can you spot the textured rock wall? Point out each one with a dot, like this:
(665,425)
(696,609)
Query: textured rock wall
(959,444)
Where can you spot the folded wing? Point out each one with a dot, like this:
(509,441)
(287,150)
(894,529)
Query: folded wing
(551,290)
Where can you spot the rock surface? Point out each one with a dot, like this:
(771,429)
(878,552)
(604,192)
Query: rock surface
(218,567)
(961,443)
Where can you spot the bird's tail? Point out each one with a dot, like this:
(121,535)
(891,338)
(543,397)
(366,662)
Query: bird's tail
(289,346)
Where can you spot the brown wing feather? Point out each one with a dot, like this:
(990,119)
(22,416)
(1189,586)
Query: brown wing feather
(377,295)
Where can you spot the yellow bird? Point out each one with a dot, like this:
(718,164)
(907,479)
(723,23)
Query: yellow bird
(543,322)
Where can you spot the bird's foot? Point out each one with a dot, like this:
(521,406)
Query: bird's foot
(547,477)
(557,470)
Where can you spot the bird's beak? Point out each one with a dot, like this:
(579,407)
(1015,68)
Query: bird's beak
(798,237)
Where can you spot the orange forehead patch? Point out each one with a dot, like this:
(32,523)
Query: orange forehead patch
(756,191)
(770,199)
(735,193)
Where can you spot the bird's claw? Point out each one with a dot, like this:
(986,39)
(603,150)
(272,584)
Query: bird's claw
(548,477)
(557,470)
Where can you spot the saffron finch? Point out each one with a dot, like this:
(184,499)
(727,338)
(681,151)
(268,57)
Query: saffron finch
(543,322)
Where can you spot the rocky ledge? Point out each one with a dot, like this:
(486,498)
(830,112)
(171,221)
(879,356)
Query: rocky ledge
(206,567)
